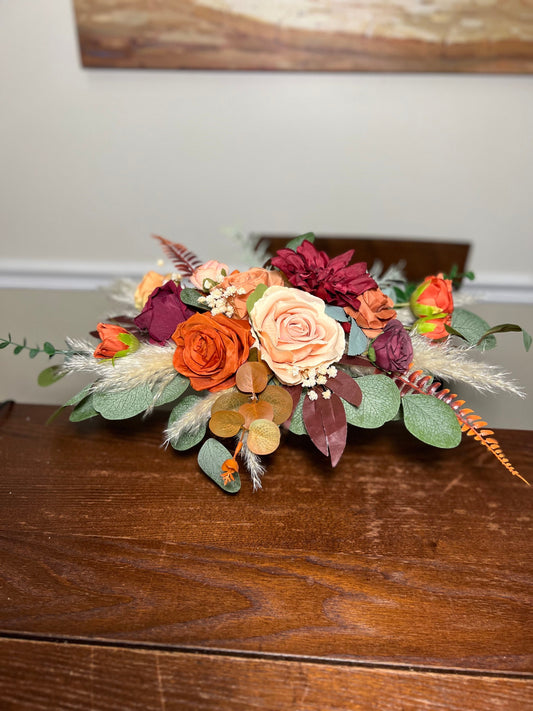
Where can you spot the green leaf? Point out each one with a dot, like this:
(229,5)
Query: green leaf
(123,404)
(210,459)
(256,294)
(191,296)
(34,352)
(75,399)
(357,341)
(431,420)
(187,439)
(297,422)
(472,328)
(297,241)
(506,328)
(83,411)
(18,349)
(381,401)
(49,349)
(4,344)
(50,375)
(173,390)
(337,313)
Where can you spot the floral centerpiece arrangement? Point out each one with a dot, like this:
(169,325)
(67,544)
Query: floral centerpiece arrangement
(306,343)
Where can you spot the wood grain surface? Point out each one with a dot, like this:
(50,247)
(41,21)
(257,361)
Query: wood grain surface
(36,676)
(402,559)
(317,35)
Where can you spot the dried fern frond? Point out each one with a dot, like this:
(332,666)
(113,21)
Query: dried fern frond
(472,424)
(447,361)
(183,259)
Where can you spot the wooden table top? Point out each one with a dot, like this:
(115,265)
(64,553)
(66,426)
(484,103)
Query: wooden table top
(401,579)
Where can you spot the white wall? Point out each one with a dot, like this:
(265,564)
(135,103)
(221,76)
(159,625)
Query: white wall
(94,161)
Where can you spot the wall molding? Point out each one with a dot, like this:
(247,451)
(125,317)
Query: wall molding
(496,287)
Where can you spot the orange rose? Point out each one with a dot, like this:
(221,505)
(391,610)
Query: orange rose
(374,312)
(295,333)
(116,341)
(209,349)
(149,282)
(245,283)
(433,297)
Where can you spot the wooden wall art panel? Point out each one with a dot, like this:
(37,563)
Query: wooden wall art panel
(313,35)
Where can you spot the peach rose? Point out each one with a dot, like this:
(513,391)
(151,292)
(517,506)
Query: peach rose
(206,276)
(374,312)
(149,282)
(295,333)
(210,349)
(245,283)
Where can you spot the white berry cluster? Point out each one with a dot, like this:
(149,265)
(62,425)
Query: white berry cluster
(219,300)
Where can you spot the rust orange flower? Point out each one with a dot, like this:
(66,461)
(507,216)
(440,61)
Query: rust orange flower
(210,349)
(245,283)
(374,312)
(116,341)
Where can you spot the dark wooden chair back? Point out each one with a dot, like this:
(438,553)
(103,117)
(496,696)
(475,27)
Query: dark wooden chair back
(422,257)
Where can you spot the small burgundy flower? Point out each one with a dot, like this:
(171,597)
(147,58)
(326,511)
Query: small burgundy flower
(335,281)
(163,311)
(393,348)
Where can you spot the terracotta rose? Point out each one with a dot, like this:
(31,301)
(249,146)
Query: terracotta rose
(247,282)
(210,349)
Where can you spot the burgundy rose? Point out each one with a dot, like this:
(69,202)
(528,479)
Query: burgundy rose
(393,348)
(163,311)
(333,280)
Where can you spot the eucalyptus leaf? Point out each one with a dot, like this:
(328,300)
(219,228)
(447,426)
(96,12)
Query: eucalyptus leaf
(83,410)
(431,420)
(297,422)
(380,403)
(506,328)
(123,404)
(472,328)
(50,375)
(337,313)
(173,390)
(75,399)
(49,349)
(357,341)
(211,457)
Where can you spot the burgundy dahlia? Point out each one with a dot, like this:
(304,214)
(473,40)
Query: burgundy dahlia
(335,281)
(163,311)
(393,348)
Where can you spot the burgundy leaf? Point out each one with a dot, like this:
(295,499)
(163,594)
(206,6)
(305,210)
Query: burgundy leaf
(313,424)
(335,427)
(346,388)
(325,422)
(183,259)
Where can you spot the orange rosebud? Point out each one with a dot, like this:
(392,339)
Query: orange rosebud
(374,312)
(433,297)
(210,349)
(116,341)
(149,282)
(434,328)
